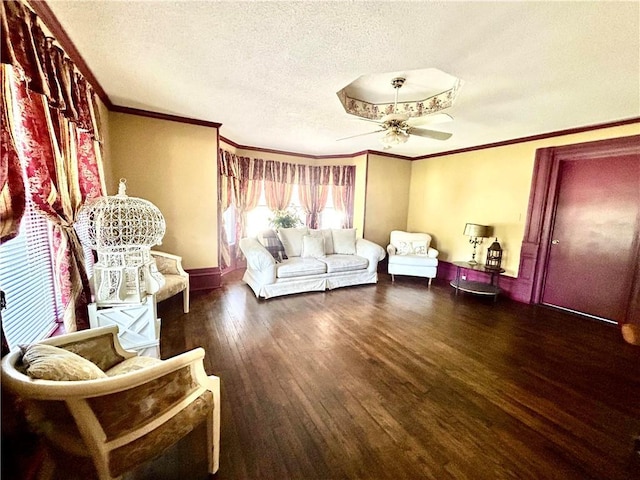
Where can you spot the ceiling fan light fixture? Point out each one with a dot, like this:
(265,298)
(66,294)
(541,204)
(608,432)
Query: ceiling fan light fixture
(394,137)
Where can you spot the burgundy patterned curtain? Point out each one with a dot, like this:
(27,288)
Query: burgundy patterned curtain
(343,191)
(279,178)
(313,189)
(12,191)
(52,123)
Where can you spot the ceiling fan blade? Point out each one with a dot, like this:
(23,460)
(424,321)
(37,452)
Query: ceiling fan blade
(360,135)
(434,134)
(431,119)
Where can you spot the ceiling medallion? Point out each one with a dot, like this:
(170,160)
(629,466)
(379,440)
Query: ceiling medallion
(424,92)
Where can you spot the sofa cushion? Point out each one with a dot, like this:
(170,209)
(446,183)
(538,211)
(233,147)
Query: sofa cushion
(413,260)
(291,239)
(312,246)
(46,362)
(328,239)
(344,263)
(344,241)
(300,267)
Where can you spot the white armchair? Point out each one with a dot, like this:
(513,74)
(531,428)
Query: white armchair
(410,254)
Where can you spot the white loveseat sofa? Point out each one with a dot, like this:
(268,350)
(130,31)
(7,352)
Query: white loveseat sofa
(410,254)
(317,260)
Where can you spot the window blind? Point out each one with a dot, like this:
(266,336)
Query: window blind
(26,277)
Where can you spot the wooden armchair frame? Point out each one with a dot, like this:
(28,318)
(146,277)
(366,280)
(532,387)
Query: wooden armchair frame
(124,420)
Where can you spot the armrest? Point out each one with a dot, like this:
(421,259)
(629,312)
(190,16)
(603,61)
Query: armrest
(371,251)
(391,250)
(258,257)
(168,263)
(432,253)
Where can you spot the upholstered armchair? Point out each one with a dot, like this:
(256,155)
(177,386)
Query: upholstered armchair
(176,279)
(410,254)
(90,398)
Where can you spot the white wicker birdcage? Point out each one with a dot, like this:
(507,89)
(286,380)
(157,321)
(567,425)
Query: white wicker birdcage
(122,230)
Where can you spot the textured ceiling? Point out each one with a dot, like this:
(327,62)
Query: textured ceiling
(269,71)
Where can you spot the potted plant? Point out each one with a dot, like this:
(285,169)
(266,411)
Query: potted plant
(284,219)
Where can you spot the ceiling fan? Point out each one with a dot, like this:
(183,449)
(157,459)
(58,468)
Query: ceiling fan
(399,126)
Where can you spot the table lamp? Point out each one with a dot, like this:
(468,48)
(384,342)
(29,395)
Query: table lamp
(476,233)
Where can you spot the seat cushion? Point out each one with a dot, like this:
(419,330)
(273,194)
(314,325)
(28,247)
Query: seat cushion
(172,284)
(131,365)
(300,267)
(413,260)
(344,263)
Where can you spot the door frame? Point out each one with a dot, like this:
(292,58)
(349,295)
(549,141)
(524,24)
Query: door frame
(543,198)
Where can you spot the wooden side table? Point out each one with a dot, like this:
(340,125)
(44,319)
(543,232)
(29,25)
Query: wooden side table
(490,288)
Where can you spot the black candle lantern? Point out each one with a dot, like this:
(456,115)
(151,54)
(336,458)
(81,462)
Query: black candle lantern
(494,256)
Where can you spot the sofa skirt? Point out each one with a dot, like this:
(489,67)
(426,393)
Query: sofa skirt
(311,283)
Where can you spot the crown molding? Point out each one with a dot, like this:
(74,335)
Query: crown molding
(542,136)
(163,116)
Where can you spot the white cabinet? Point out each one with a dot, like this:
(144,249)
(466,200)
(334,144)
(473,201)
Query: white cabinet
(138,325)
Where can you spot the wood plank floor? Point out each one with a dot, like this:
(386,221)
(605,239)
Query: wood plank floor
(397,380)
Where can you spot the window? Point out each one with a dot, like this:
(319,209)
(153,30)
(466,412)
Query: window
(26,277)
(330,217)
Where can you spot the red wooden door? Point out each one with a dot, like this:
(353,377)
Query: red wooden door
(593,251)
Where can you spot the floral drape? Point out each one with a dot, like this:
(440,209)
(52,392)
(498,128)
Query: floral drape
(279,178)
(343,192)
(12,192)
(313,189)
(244,183)
(51,119)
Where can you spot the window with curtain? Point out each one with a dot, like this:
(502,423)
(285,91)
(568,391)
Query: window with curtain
(26,277)
(250,190)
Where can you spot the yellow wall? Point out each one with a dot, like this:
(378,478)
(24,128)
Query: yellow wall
(387,197)
(174,166)
(360,162)
(489,187)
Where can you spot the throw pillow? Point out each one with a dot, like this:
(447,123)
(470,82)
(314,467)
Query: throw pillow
(47,362)
(404,248)
(291,238)
(328,239)
(312,247)
(272,243)
(344,241)
(419,248)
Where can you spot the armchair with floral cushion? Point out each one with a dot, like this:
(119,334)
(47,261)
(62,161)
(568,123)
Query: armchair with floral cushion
(89,398)
(411,254)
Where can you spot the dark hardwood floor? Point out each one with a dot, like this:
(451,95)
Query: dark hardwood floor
(400,381)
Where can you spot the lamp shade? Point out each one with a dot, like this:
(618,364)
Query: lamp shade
(475,230)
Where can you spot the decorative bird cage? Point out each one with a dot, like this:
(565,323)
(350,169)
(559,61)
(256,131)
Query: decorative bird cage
(122,230)
(494,256)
